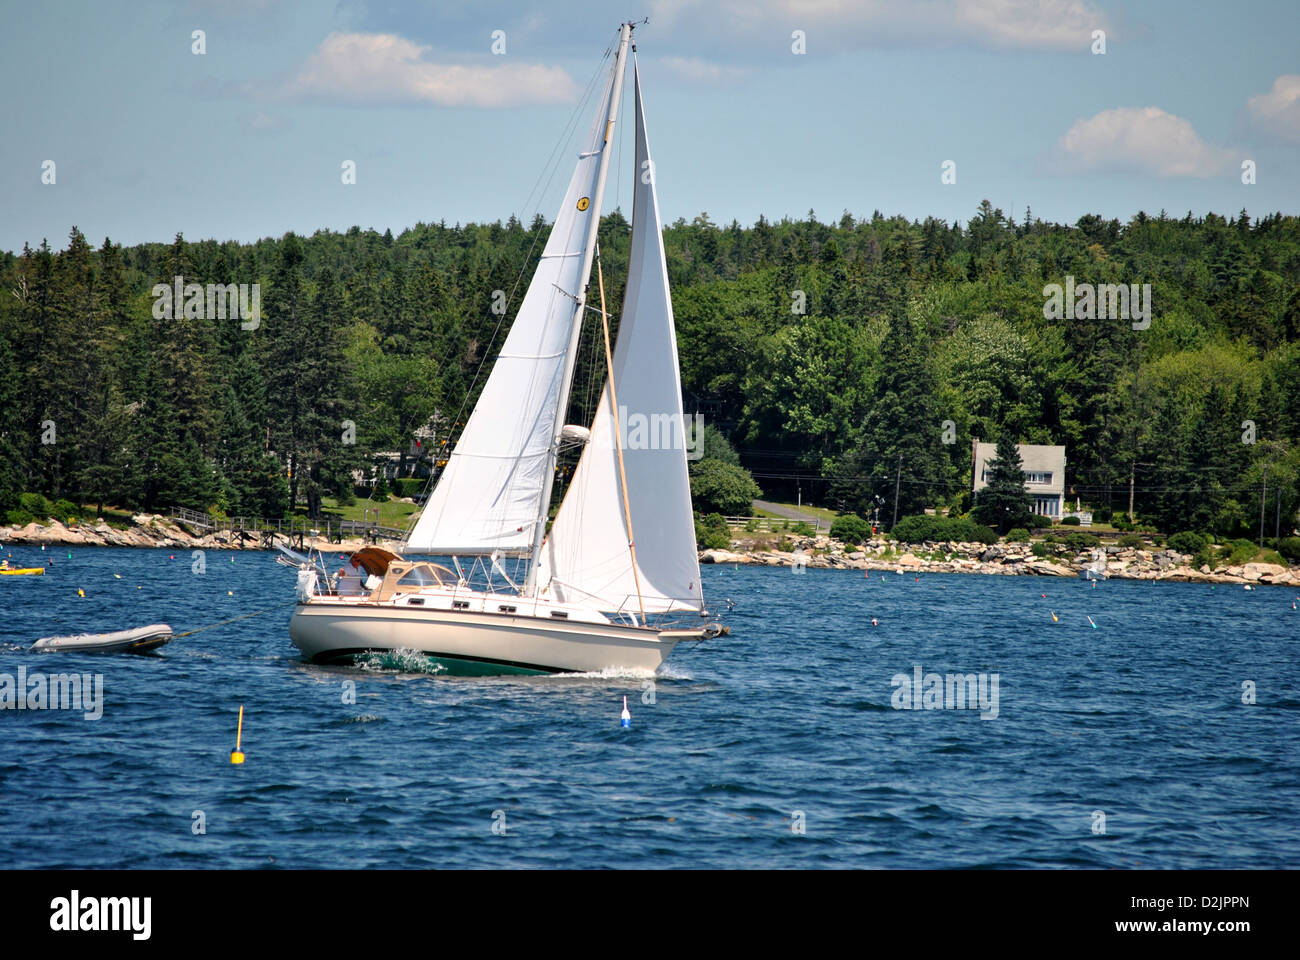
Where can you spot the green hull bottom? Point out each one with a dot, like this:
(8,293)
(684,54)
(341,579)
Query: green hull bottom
(441,665)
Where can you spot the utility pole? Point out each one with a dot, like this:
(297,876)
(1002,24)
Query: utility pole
(1132,470)
(898,478)
(1263,490)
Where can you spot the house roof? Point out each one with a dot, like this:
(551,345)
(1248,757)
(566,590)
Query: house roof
(1035,458)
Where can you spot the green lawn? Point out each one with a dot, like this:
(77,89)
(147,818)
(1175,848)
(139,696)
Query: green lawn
(822,513)
(393,513)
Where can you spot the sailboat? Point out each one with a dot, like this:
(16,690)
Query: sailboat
(614,584)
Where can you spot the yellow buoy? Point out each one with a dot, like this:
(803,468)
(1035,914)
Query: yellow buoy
(80,592)
(235,755)
(1055,618)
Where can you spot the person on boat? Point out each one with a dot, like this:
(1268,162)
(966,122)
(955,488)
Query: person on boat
(347,584)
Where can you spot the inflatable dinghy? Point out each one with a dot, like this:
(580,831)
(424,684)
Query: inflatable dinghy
(136,640)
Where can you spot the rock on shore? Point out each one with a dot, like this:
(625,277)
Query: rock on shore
(153,530)
(998,558)
(147,530)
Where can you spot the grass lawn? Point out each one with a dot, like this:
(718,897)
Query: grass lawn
(392,513)
(821,512)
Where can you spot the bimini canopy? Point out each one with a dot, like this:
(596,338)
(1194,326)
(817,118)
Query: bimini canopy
(374,560)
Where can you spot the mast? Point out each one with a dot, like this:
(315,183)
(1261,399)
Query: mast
(570,358)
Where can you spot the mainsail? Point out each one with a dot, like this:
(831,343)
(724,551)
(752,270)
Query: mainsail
(488,497)
(586,559)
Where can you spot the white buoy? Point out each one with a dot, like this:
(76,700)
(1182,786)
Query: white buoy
(626,719)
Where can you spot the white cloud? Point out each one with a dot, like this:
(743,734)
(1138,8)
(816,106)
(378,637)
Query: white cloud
(1278,111)
(1065,25)
(696,70)
(1143,139)
(385,68)
(1033,24)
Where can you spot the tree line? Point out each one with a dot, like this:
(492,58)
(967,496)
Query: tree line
(848,362)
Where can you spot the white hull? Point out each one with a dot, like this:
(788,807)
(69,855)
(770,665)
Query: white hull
(325,629)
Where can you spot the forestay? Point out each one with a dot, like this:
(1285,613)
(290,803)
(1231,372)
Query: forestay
(489,495)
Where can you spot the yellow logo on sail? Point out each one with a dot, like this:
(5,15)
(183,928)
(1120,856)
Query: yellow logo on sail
(584,203)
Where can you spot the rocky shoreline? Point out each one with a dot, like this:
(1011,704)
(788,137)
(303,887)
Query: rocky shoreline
(1010,559)
(150,531)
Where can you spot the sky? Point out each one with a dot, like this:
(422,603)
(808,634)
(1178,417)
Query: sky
(770,107)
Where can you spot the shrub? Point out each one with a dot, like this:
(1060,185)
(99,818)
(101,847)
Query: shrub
(1238,552)
(19,517)
(1187,542)
(1070,521)
(1081,541)
(1119,523)
(1289,547)
(723,487)
(1102,514)
(1272,556)
(1130,540)
(409,486)
(65,510)
(712,533)
(35,504)
(751,525)
(1041,521)
(922,527)
(851,528)
(1018,535)
(1040,550)
(803,528)
(380,493)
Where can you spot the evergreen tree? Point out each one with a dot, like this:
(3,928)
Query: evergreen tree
(899,455)
(1004,503)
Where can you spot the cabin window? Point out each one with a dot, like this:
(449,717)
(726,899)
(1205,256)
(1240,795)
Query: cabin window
(560,614)
(416,602)
(505,609)
(416,577)
(460,604)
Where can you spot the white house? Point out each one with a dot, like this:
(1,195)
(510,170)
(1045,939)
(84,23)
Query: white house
(1044,468)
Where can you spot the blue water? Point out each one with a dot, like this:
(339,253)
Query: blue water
(1141,718)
